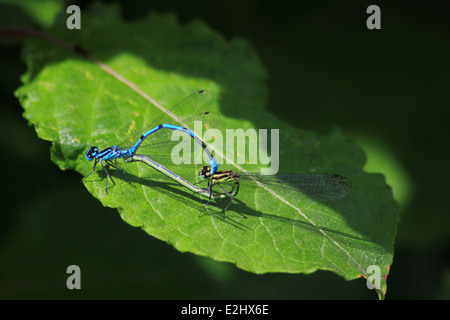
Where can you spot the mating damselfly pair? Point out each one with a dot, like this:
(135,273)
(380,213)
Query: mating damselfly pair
(154,146)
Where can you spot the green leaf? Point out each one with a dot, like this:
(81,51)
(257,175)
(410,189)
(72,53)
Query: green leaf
(76,102)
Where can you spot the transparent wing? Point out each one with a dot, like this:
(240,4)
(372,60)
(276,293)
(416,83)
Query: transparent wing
(198,124)
(187,112)
(320,186)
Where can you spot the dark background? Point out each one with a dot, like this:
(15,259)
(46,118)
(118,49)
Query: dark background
(388,89)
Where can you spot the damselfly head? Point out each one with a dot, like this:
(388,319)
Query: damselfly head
(91,153)
(205,172)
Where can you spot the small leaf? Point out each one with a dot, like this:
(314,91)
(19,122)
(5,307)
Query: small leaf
(76,102)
